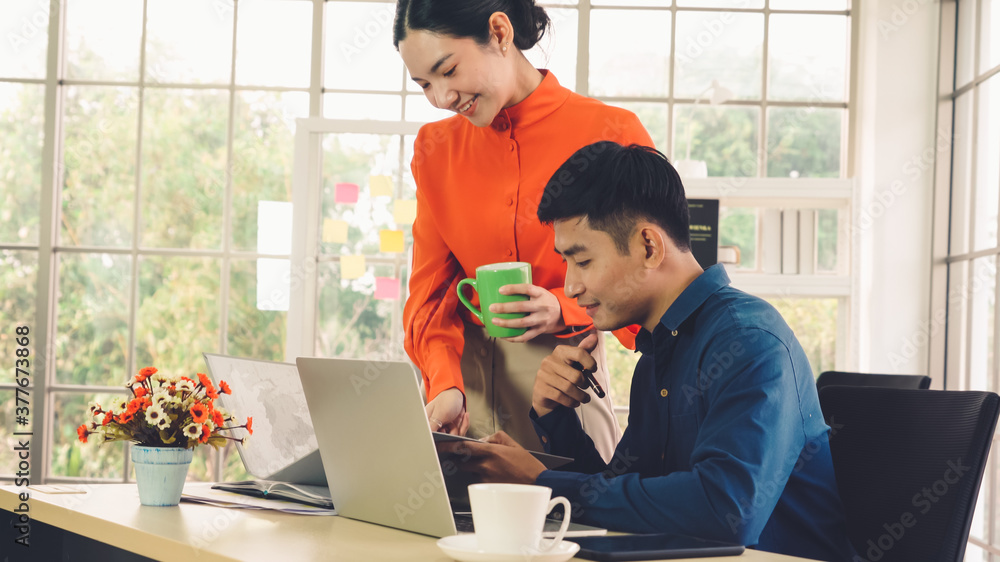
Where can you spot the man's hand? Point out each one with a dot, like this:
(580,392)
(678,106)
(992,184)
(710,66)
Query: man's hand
(559,381)
(544,313)
(446,413)
(497,458)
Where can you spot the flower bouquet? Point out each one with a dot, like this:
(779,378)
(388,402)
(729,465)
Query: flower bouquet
(166,417)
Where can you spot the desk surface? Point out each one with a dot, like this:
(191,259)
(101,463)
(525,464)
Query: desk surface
(111,513)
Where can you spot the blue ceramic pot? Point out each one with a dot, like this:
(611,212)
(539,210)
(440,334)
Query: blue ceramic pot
(160,473)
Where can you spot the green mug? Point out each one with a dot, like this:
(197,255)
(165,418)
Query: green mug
(489,279)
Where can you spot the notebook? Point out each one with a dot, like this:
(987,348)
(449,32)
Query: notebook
(283,446)
(377,448)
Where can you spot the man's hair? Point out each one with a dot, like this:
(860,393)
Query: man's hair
(615,187)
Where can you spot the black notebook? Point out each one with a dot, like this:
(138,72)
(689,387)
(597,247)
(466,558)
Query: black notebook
(318,496)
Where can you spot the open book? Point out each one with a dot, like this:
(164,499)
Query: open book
(318,496)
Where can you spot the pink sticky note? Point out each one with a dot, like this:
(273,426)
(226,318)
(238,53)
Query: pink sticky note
(346,193)
(387,288)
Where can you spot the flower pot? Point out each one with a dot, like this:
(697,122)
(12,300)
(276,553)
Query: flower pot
(160,473)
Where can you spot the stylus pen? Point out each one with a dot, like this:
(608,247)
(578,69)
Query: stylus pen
(588,376)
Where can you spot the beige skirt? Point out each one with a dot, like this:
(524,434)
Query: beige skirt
(499,377)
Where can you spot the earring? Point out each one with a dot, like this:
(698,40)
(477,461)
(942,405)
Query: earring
(504,48)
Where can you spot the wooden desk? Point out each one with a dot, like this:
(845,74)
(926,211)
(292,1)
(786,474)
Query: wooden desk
(111,514)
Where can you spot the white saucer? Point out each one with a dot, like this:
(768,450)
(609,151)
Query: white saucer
(465,549)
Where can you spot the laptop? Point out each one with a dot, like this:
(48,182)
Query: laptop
(377,448)
(283,446)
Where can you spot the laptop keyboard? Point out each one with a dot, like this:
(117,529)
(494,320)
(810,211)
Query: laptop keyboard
(463,524)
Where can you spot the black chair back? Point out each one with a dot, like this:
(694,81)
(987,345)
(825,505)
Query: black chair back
(842,378)
(908,465)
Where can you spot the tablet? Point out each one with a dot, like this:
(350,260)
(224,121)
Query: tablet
(651,547)
(550,461)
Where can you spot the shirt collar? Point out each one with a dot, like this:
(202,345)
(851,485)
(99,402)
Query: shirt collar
(546,98)
(690,300)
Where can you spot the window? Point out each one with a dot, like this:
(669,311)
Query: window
(146,175)
(966,241)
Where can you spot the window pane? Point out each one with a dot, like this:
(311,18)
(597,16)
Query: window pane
(987,166)
(723,46)
(827,236)
(989,35)
(256,329)
(263,155)
(721,3)
(724,137)
(349,163)
(178,317)
(557,50)
(653,117)
(21,121)
(92,315)
(189,41)
(621,365)
(69,456)
(636,63)
(283,59)
(965,39)
(961,174)
(806,5)
(352,321)
(22,53)
(19,278)
(9,462)
(814,322)
(183,168)
(419,110)
(738,227)
(99,150)
(663,3)
(379,107)
(358,52)
(982,308)
(804,142)
(103,39)
(807,57)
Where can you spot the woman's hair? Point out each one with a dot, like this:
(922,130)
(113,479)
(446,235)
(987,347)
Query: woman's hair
(615,187)
(470,18)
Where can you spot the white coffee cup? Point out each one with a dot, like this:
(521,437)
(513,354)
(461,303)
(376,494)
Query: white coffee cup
(509,518)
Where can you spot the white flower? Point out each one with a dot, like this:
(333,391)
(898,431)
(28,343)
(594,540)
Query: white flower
(185,386)
(154,414)
(94,407)
(117,404)
(164,422)
(192,430)
(160,397)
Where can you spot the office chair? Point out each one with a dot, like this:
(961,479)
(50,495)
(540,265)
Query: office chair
(828,378)
(908,465)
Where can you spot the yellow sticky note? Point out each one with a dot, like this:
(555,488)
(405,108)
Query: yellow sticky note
(390,241)
(352,267)
(380,186)
(334,231)
(404,211)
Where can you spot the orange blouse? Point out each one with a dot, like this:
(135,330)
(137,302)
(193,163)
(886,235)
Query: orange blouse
(478,190)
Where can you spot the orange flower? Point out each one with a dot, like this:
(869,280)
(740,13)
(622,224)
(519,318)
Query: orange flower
(81,433)
(205,381)
(140,392)
(211,392)
(224,388)
(217,418)
(249,424)
(199,413)
(147,371)
(125,418)
(108,417)
(205,434)
(133,406)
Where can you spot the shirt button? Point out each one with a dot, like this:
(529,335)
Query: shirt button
(512,148)
(503,126)
(545,439)
(510,253)
(674,333)
(663,392)
(510,201)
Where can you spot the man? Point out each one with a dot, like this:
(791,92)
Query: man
(725,439)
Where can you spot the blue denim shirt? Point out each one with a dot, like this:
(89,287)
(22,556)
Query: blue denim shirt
(725,437)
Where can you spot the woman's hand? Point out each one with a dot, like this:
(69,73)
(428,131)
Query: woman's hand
(446,413)
(544,313)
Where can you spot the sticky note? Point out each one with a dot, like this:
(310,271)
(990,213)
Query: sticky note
(380,186)
(404,211)
(352,267)
(387,288)
(346,193)
(390,241)
(334,231)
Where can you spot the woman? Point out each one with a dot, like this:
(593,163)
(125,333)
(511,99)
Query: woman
(480,177)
